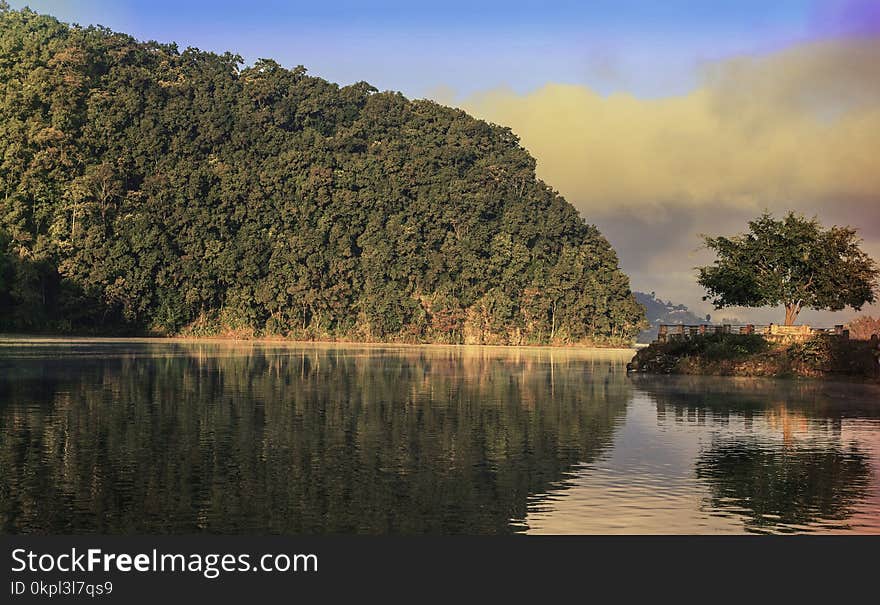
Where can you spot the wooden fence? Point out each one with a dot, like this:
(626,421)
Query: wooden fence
(772,332)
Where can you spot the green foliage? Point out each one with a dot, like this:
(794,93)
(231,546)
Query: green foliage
(174,190)
(816,351)
(830,354)
(717,347)
(793,262)
(753,355)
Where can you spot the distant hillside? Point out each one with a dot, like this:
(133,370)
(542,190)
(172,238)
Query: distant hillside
(146,188)
(660,312)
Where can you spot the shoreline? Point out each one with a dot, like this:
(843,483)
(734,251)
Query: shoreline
(785,378)
(61,339)
(823,358)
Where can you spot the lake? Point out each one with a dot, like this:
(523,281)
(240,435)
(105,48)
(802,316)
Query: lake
(170,437)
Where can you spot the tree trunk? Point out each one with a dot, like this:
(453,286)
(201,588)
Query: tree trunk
(791,313)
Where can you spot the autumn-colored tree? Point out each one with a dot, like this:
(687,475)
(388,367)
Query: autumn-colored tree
(863,327)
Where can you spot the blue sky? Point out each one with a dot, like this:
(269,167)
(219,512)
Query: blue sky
(645,47)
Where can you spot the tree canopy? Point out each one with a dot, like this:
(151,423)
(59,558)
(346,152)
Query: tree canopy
(792,261)
(150,188)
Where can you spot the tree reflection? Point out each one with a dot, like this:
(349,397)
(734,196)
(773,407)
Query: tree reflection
(783,488)
(205,438)
(722,396)
(788,465)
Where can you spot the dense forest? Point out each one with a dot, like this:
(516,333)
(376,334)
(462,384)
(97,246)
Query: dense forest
(152,190)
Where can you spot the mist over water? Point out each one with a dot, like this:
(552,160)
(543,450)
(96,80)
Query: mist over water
(169,437)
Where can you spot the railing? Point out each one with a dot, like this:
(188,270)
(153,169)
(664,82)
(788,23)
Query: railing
(770,331)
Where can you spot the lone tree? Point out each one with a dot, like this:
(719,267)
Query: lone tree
(794,262)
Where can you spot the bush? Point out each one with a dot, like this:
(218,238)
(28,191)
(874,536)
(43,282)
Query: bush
(862,328)
(718,347)
(832,355)
(752,355)
(816,352)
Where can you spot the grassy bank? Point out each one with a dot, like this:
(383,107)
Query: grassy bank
(752,355)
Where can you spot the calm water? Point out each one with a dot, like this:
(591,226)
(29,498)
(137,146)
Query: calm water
(172,437)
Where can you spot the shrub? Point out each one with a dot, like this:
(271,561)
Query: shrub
(862,328)
(718,347)
(816,352)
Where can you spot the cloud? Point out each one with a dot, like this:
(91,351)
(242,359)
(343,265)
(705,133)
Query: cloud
(796,129)
(778,130)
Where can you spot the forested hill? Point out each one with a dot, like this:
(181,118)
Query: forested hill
(659,312)
(145,188)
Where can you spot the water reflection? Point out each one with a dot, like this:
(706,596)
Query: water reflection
(705,455)
(800,459)
(785,488)
(173,437)
(141,437)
